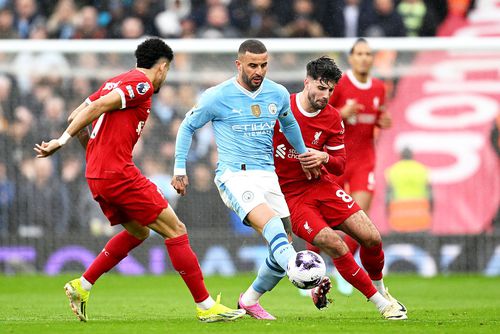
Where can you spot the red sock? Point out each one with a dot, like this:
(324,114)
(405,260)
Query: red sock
(352,273)
(373,260)
(185,262)
(115,250)
(351,243)
(313,248)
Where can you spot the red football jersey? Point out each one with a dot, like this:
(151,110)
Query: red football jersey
(115,133)
(359,129)
(322,130)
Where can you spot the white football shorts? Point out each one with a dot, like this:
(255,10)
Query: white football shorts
(242,191)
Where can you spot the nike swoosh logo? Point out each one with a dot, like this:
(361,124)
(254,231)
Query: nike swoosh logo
(357,271)
(350,205)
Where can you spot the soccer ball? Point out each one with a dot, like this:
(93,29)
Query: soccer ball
(306,269)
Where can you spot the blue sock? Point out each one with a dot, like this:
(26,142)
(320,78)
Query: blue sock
(270,274)
(281,249)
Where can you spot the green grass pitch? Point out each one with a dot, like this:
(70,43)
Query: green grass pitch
(162,304)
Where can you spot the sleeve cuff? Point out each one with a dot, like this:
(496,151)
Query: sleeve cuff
(179,171)
(122,95)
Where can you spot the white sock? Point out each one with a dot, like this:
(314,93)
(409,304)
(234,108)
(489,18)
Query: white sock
(86,285)
(250,297)
(380,286)
(206,304)
(379,301)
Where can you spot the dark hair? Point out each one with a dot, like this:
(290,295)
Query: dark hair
(324,69)
(252,46)
(150,51)
(358,41)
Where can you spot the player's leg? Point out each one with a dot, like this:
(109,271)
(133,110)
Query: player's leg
(186,263)
(361,187)
(269,275)
(360,227)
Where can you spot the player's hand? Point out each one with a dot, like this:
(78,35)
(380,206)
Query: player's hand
(313,158)
(384,120)
(180,184)
(45,149)
(312,172)
(351,109)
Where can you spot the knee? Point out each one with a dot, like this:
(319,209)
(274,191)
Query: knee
(179,228)
(374,239)
(140,233)
(330,242)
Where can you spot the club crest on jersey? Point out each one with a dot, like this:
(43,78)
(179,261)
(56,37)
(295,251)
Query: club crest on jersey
(273,109)
(316,137)
(255,110)
(142,87)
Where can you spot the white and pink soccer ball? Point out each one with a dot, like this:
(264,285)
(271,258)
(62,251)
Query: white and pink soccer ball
(306,269)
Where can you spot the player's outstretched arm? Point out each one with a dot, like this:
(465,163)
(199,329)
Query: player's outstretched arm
(87,115)
(84,134)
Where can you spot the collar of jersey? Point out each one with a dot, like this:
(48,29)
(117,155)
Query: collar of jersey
(302,110)
(361,85)
(250,94)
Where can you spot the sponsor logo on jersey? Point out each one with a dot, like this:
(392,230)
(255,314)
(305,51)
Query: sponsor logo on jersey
(111,85)
(273,109)
(142,87)
(247,196)
(130,91)
(307,227)
(255,129)
(255,110)
(280,151)
(316,137)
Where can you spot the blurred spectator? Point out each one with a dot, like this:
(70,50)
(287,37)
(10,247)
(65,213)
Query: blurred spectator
(61,24)
(409,195)
(256,18)
(72,174)
(159,173)
(168,22)
(418,18)
(303,23)
(43,201)
(382,21)
(132,27)
(87,26)
(8,101)
(53,118)
(27,17)
(7,29)
(218,24)
(7,194)
(146,11)
(163,104)
(203,190)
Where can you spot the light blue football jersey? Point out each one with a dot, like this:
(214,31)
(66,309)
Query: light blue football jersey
(243,123)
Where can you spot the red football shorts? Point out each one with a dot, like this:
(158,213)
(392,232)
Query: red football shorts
(358,178)
(123,200)
(322,204)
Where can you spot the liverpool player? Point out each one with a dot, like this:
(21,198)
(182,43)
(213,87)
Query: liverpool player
(318,206)
(118,112)
(360,99)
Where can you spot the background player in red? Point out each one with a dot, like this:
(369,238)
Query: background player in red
(118,112)
(360,99)
(319,206)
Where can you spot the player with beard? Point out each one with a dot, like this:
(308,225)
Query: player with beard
(320,206)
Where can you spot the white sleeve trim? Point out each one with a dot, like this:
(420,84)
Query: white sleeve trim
(87,100)
(179,171)
(335,148)
(122,95)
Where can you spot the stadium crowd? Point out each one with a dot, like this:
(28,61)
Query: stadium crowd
(35,99)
